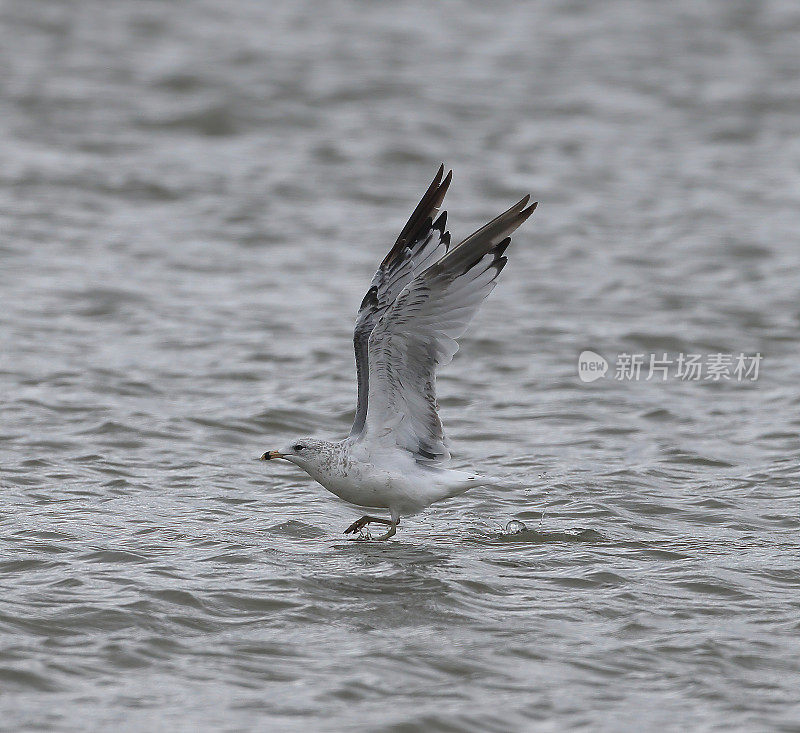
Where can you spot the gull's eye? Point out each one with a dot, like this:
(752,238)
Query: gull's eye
(297,448)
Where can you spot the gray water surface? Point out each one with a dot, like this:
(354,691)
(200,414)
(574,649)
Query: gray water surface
(193,198)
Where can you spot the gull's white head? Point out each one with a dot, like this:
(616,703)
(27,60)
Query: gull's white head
(307,453)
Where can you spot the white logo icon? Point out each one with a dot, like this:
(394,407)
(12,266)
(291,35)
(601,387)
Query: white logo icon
(591,366)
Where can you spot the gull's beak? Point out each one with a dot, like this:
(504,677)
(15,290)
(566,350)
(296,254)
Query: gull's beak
(270,454)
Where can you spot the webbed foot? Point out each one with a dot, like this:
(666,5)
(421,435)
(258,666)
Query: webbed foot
(391,533)
(359,524)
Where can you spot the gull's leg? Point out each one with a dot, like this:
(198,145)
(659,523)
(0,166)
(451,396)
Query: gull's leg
(391,533)
(392,526)
(359,524)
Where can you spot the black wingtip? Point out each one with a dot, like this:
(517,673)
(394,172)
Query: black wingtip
(522,208)
(448,178)
(437,179)
(500,249)
(426,210)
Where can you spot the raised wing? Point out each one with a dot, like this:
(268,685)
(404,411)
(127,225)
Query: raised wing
(417,333)
(421,243)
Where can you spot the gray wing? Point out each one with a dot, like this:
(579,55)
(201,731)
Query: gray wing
(418,333)
(422,241)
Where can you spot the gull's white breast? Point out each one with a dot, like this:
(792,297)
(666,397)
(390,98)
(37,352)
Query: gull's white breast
(398,484)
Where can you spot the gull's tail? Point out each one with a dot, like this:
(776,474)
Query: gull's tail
(499,482)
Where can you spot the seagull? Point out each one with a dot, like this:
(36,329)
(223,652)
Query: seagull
(419,302)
